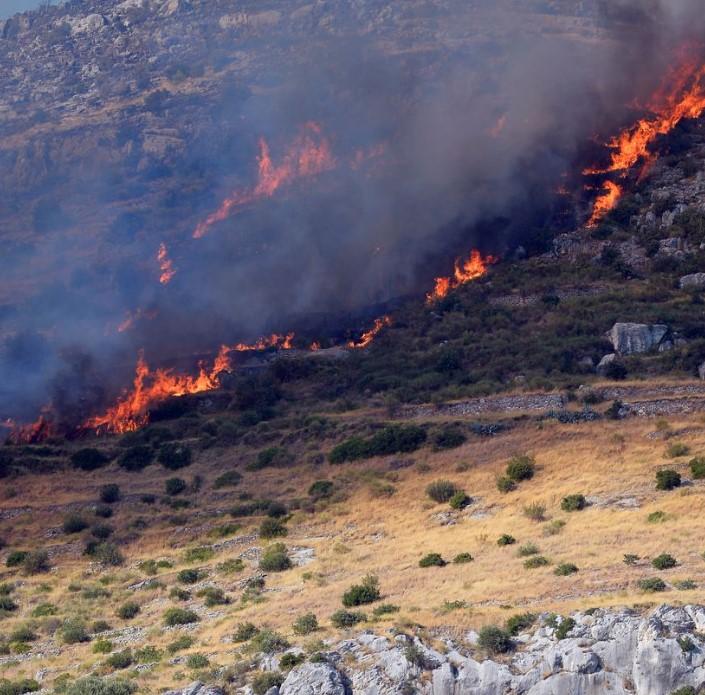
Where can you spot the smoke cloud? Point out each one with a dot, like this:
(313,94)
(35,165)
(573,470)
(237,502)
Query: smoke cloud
(450,126)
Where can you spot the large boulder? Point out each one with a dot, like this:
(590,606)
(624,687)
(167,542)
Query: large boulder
(635,338)
(313,679)
(694,281)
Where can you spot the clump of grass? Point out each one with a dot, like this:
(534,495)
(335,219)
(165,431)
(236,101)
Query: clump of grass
(536,511)
(442,491)
(535,562)
(664,562)
(676,450)
(657,517)
(565,569)
(506,539)
(462,558)
(432,560)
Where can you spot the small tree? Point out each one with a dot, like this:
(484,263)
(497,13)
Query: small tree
(667,479)
(367,591)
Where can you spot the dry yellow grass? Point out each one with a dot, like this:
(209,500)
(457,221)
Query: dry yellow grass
(613,462)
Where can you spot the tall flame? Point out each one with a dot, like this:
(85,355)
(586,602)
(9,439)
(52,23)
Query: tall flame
(33,433)
(151,387)
(474,267)
(308,155)
(368,337)
(681,96)
(166,266)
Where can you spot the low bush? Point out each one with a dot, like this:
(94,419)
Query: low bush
(521,468)
(269,642)
(664,561)
(685,585)
(7,605)
(201,553)
(527,549)
(275,559)
(321,489)
(565,569)
(460,500)
(265,681)
(652,585)
(347,619)
(136,458)
(442,491)
(230,566)
(104,511)
(506,539)
(92,685)
(179,644)
(23,633)
(228,479)
(667,479)
(102,646)
(108,554)
(270,458)
(19,687)
(109,494)
(385,609)
(395,439)
(676,450)
(518,623)
(462,558)
(120,660)
(305,624)
(277,510)
(564,627)
(174,486)
(535,511)
(244,632)
(128,610)
(657,517)
(495,640)
(291,660)
(214,596)
(179,594)
(15,558)
(74,632)
(505,484)
(573,503)
(272,528)
(74,523)
(174,456)
(535,562)
(195,661)
(89,459)
(179,616)
(367,591)
(630,559)
(102,531)
(190,576)
(432,560)
(448,438)
(36,562)
(697,467)
(44,610)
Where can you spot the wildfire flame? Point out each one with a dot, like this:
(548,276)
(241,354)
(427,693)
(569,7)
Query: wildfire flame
(367,337)
(38,431)
(166,265)
(682,96)
(308,155)
(151,387)
(474,267)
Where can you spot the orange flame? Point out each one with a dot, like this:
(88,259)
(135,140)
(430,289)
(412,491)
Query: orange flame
(151,387)
(465,271)
(368,337)
(681,96)
(309,155)
(166,266)
(38,431)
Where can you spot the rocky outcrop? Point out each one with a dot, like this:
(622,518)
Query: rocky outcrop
(696,281)
(619,652)
(635,338)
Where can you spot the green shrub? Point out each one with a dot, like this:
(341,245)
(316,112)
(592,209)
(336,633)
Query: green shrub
(685,690)
(15,558)
(573,503)
(652,585)
(395,439)
(102,531)
(148,498)
(109,494)
(230,566)
(102,646)
(686,644)
(367,591)
(265,681)
(495,640)
(36,562)
(244,632)
(179,644)
(305,624)
(195,661)
(108,554)
(276,510)
(664,562)
(432,560)
(174,456)
(89,459)
(228,479)
(275,559)
(521,468)
(535,511)
(385,609)
(179,616)
(442,491)
(44,610)
(528,549)
(565,626)
(92,685)
(448,438)
(697,467)
(676,450)
(535,562)
(657,517)
(100,626)
(136,458)
(120,660)
(462,558)
(291,660)
(321,489)
(174,486)
(7,605)
(459,500)
(74,523)
(268,458)
(685,585)
(667,479)
(346,619)
(505,484)
(214,596)
(553,528)
(506,539)
(272,528)
(179,594)
(518,623)
(565,569)
(128,610)
(104,511)
(148,655)
(630,559)
(23,633)
(269,642)
(190,576)
(74,632)
(26,685)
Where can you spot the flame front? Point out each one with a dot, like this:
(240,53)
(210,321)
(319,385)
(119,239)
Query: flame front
(166,266)
(36,432)
(474,267)
(682,96)
(308,155)
(368,337)
(151,387)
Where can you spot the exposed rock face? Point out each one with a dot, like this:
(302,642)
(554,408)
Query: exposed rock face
(198,688)
(634,338)
(695,280)
(617,652)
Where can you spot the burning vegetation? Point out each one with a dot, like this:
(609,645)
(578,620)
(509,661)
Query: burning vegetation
(472,268)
